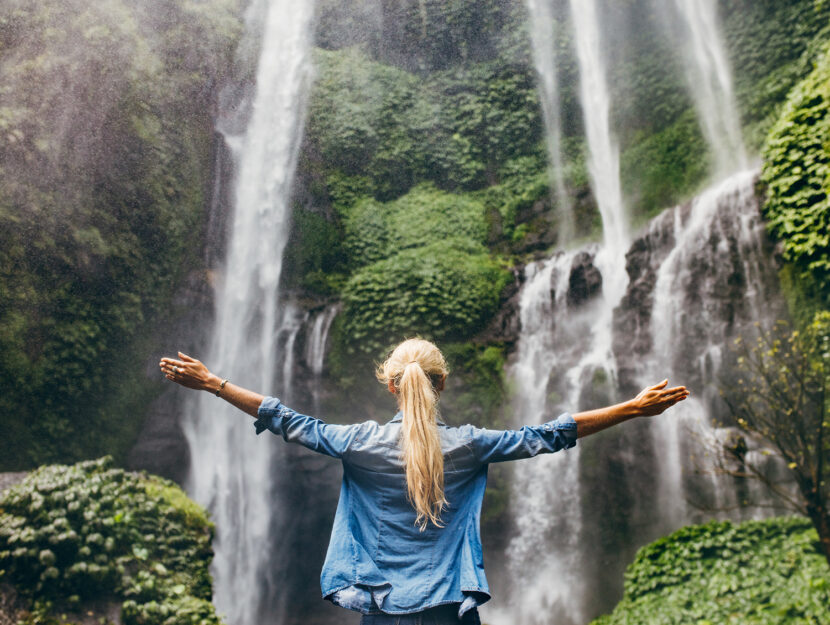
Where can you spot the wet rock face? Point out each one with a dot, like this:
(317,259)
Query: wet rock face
(632,318)
(505,325)
(161,447)
(585,281)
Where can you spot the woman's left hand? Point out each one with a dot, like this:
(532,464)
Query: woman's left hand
(188,372)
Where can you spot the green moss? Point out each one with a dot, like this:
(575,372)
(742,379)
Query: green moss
(796,171)
(772,46)
(476,388)
(381,130)
(422,216)
(757,572)
(69,534)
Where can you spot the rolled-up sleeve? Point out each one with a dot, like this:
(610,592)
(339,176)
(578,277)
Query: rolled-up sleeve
(325,438)
(526,442)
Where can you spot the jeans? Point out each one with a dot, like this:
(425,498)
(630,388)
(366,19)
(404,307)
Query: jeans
(441,615)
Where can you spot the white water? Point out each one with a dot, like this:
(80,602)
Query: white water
(719,238)
(542,37)
(560,351)
(315,348)
(546,502)
(710,82)
(604,171)
(603,152)
(229,464)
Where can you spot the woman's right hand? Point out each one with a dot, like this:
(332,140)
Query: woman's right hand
(189,372)
(653,400)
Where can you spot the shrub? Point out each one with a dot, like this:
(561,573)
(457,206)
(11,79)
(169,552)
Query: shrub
(87,531)
(796,171)
(444,290)
(757,572)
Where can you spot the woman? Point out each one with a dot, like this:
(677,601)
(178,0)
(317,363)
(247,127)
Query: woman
(405,547)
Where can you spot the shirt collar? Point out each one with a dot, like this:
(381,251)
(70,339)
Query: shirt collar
(399,417)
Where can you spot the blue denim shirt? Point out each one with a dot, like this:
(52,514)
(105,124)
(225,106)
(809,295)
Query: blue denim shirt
(378,560)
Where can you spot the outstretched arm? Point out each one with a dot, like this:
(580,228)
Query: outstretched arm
(192,373)
(650,401)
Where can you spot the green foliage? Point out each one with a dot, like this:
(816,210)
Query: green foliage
(386,129)
(772,45)
(780,399)
(476,387)
(422,35)
(661,168)
(74,533)
(796,171)
(106,142)
(314,258)
(425,214)
(444,290)
(757,572)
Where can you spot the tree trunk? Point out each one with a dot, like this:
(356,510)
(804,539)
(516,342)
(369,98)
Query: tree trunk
(820,517)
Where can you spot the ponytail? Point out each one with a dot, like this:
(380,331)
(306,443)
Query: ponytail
(414,367)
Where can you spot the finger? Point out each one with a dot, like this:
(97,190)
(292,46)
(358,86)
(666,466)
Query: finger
(661,384)
(185,357)
(172,363)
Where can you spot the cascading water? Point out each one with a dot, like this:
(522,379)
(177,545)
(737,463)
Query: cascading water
(586,329)
(562,353)
(710,82)
(229,465)
(547,506)
(542,37)
(697,308)
(603,152)
(315,348)
(604,170)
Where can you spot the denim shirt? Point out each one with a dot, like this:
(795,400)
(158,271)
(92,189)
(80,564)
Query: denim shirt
(378,560)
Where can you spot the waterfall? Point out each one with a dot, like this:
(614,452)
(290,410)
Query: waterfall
(710,82)
(603,152)
(542,37)
(700,274)
(604,170)
(229,464)
(315,348)
(709,287)
(316,344)
(546,579)
(561,356)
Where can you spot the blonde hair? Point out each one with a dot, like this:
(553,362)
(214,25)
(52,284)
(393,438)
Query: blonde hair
(416,367)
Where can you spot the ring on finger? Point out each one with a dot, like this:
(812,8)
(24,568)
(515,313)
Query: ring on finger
(175,369)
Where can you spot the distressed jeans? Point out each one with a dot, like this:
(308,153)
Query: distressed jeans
(441,615)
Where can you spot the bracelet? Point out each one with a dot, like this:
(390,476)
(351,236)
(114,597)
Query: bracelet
(221,386)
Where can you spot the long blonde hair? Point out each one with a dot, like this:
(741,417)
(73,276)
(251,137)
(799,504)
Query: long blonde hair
(416,367)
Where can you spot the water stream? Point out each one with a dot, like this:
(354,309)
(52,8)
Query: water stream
(710,82)
(543,40)
(229,465)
